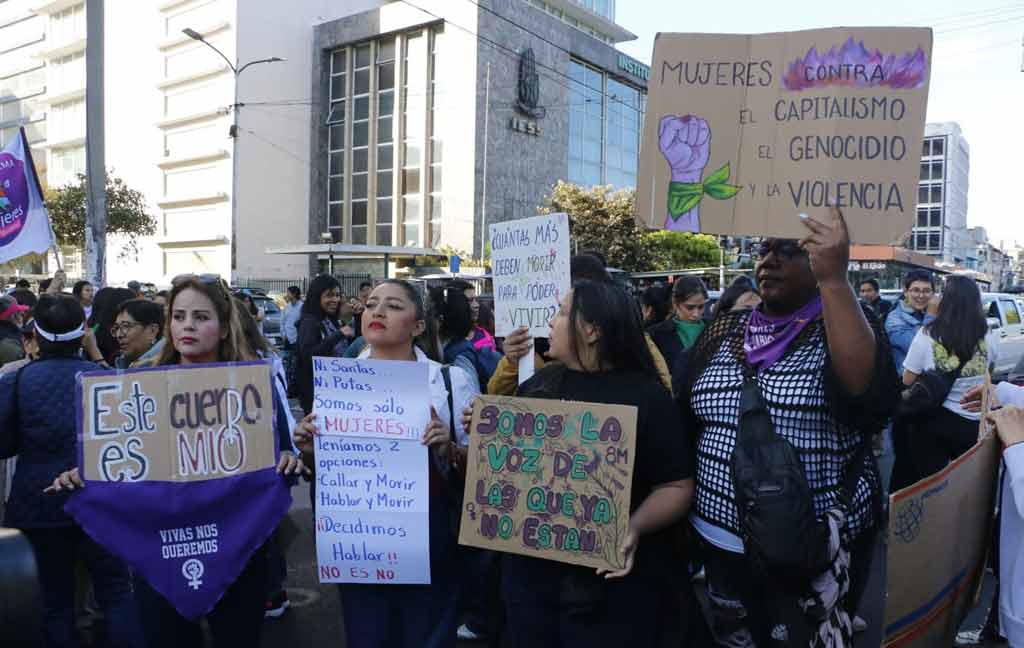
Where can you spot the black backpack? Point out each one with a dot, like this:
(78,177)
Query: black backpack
(782,536)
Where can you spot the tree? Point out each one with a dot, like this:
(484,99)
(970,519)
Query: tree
(126,214)
(674,250)
(601,219)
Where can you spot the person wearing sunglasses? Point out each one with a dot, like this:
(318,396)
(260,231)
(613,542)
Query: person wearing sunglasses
(137,329)
(825,375)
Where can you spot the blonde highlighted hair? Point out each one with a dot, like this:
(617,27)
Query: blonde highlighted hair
(233,347)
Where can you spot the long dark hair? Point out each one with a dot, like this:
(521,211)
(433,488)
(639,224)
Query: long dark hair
(960,324)
(656,298)
(731,295)
(455,317)
(105,305)
(622,345)
(317,288)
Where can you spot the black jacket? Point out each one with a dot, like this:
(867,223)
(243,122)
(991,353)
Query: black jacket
(311,342)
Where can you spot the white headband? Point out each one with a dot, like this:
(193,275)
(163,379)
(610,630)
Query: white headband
(61,337)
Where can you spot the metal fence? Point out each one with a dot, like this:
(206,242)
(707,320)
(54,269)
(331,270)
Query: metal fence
(349,283)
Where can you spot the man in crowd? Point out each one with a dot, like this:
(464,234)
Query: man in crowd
(83,292)
(290,330)
(11,314)
(910,314)
(870,295)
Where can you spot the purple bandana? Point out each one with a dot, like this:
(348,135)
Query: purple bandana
(767,337)
(181,480)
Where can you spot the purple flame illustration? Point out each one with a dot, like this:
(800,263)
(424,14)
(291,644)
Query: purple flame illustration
(854,65)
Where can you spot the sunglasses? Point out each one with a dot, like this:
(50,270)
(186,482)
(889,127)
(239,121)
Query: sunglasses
(783,248)
(208,279)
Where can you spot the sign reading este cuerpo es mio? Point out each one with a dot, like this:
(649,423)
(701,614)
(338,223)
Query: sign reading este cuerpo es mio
(744,132)
(550,479)
(177,424)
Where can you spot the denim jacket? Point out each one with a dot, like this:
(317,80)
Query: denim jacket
(901,325)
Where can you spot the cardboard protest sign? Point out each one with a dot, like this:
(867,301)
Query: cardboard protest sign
(550,479)
(385,399)
(530,270)
(179,464)
(745,132)
(372,511)
(939,535)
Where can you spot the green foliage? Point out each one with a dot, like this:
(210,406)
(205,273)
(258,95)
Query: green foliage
(126,214)
(465,258)
(601,219)
(676,250)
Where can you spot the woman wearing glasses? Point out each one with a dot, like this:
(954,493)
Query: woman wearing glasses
(137,330)
(680,332)
(826,378)
(203,327)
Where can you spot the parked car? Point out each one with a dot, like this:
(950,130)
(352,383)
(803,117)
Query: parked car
(1003,312)
(271,319)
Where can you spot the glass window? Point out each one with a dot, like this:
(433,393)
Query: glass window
(363,56)
(922,194)
(938,145)
(1010,310)
(934,241)
(935,217)
(385,184)
(922,218)
(358,186)
(936,194)
(925,170)
(338,62)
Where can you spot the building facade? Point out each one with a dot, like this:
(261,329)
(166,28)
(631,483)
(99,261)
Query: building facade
(430,122)
(941,229)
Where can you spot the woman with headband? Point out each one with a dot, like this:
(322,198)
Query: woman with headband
(35,427)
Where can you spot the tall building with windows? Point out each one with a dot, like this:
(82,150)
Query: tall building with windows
(432,119)
(941,227)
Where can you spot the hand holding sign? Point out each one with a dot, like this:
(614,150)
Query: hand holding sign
(66,481)
(828,246)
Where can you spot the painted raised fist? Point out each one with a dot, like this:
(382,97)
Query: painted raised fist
(686,144)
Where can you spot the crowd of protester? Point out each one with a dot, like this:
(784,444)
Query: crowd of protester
(792,358)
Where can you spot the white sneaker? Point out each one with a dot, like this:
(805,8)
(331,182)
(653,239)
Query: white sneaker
(465,634)
(859,624)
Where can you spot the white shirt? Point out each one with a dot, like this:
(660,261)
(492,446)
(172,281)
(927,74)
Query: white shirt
(290,321)
(464,391)
(921,358)
(1011,530)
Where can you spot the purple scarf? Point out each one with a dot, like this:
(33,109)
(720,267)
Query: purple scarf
(767,337)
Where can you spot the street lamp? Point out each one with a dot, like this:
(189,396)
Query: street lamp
(233,134)
(329,240)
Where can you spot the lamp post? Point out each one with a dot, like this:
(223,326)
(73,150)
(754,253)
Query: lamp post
(329,240)
(233,134)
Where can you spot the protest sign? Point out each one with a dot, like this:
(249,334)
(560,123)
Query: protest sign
(179,464)
(530,270)
(940,532)
(372,510)
(745,132)
(385,399)
(550,479)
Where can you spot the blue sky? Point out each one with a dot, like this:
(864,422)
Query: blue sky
(976,73)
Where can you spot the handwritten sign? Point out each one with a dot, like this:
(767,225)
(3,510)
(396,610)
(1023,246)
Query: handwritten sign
(530,268)
(743,133)
(177,424)
(385,399)
(179,464)
(550,479)
(372,511)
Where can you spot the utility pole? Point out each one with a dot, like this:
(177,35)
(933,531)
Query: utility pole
(483,198)
(237,70)
(95,149)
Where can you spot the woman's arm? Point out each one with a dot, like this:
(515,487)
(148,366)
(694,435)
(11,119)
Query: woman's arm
(909,377)
(851,342)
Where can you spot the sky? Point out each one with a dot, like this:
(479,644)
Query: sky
(977,78)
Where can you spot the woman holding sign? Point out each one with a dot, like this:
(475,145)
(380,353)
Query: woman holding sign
(602,357)
(204,327)
(807,374)
(380,616)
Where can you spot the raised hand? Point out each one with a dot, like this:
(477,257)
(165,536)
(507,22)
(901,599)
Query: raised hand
(828,246)
(686,144)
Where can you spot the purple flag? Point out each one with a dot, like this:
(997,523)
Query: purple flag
(179,466)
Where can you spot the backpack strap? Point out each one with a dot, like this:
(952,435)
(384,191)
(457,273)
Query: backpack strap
(446,374)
